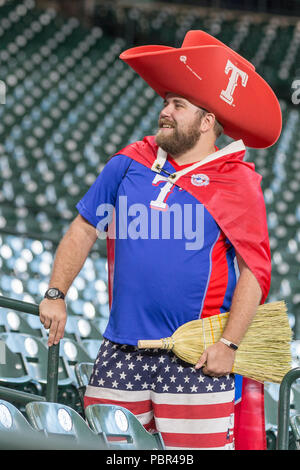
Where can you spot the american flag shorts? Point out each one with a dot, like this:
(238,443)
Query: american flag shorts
(190,410)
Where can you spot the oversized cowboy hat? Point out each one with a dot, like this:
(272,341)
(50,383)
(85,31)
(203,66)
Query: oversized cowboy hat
(212,76)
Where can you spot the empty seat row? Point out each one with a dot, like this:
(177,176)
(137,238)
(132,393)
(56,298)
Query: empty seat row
(26,266)
(26,365)
(78,328)
(54,426)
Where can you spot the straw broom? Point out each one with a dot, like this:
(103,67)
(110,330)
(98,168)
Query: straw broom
(264,354)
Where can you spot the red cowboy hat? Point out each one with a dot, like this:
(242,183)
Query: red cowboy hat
(212,76)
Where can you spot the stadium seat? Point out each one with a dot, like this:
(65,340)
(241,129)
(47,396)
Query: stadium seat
(73,353)
(271,395)
(14,427)
(81,328)
(18,322)
(83,372)
(295,425)
(14,372)
(34,354)
(296,393)
(12,420)
(92,347)
(25,264)
(271,399)
(35,324)
(118,422)
(61,420)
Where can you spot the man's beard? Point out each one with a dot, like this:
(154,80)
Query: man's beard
(178,142)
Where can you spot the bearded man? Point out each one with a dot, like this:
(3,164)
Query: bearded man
(189,240)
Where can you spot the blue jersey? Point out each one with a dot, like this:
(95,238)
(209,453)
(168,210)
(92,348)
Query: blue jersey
(173,264)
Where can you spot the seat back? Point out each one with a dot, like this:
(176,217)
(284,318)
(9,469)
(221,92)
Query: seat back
(92,347)
(12,420)
(271,395)
(14,369)
(35,355)
(79,328)
(295,425)
(17,322)
(118,422)
(56,419)
(83,371)
(296,393)
(73,353)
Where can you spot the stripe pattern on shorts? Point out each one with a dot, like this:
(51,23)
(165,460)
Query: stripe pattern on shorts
(190,409)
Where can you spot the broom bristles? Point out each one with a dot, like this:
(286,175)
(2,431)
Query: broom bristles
(264,354)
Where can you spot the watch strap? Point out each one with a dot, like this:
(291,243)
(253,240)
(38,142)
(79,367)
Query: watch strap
(229,343)
(59,294)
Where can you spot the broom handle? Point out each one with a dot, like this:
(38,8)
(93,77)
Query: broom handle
(168,343)
(150,344)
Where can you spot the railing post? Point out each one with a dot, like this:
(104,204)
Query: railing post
(284,408)
(53,351)
(52,373)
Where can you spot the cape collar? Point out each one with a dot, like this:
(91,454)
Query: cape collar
(161,157)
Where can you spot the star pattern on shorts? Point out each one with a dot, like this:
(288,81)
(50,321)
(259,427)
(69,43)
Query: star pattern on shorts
(127,368)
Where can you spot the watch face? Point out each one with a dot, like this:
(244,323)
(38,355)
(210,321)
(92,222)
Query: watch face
(53,292)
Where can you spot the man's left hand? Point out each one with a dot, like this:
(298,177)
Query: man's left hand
(217,360)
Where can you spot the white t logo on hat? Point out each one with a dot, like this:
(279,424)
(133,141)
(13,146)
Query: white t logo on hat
(226,95)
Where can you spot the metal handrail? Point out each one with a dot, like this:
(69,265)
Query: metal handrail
(10,394)
(282,442)
(53,351)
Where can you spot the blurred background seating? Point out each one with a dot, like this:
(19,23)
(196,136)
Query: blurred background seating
(70,104)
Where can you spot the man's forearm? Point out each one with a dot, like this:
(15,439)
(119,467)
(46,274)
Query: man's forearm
(69,259)
(218,358)
(246,299)
(71,255)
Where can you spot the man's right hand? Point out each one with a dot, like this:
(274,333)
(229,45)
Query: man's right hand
(53,315)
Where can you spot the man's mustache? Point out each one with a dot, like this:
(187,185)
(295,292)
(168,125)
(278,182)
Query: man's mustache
(165,122)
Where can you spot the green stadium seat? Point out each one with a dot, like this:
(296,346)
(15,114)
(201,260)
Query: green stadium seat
(73,353)
(83,372)
(14,372)
(55,419)
(295,425)
(12,420)
(101,322)
(118,422)
(271,395)
(34,354)
(271,399)
(17,322)
(296,399)
(92,347)
(35,324)
(79,328)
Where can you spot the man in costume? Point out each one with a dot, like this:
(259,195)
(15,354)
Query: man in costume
(187,239)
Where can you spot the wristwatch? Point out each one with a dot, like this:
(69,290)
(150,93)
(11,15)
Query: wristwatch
(53,293)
